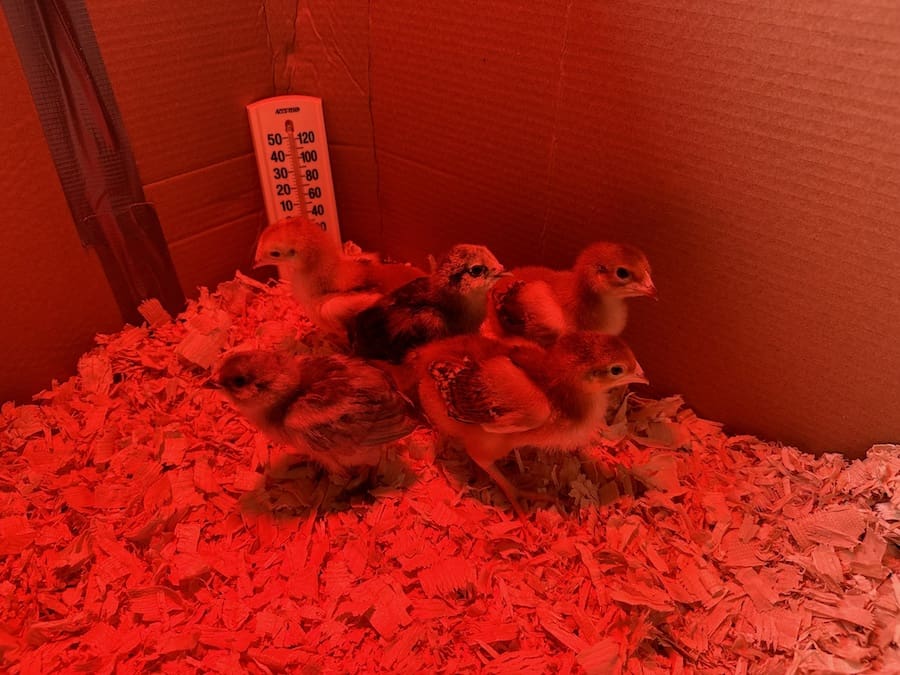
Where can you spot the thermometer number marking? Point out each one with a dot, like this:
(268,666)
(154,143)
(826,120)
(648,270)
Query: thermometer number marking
(293,160)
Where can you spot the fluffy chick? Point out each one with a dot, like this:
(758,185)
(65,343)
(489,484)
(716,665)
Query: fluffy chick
(329,284)
(451,301)
(335,410)
(540,304)
(496,396)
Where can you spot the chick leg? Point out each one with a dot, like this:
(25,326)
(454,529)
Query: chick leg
(510,490)
(364,477)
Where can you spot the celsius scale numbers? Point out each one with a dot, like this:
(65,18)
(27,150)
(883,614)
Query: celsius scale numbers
(292,158)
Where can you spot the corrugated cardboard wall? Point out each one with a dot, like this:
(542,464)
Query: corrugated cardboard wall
(751,150)
(331,60)
(53,295)
(182,74)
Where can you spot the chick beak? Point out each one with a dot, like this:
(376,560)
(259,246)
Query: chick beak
(211,384)
(649,289)
(498,274)
(637,377)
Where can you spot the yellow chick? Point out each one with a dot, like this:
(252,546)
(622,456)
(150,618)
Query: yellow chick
(540,304)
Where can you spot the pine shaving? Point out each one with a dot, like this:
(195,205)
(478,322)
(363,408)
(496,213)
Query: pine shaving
(146,527)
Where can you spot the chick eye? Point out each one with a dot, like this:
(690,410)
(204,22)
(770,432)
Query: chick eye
(623,272)
(477,270)
(237,382)
(291,252)
(616,370)
(275,254)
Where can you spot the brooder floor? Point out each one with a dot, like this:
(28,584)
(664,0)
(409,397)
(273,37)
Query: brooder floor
(146,527)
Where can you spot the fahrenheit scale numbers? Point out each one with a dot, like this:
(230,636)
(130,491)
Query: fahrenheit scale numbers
(292,158)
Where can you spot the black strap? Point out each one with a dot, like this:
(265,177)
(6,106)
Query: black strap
(83,127)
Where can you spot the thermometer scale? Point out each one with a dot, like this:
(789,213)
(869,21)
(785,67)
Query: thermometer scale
(292,157)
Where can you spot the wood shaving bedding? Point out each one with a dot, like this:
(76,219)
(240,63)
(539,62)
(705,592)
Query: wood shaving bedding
(147,527)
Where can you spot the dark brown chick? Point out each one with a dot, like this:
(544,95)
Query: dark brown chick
(335,410)
(451,301)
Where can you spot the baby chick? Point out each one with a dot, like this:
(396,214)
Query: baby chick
(496,396)
(451,301)
(541,304)
(333,409)
(329,284)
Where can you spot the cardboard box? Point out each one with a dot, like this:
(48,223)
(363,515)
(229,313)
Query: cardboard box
(751,150)
(53,295)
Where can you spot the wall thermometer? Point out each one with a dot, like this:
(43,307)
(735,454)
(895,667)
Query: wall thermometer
(292,158)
